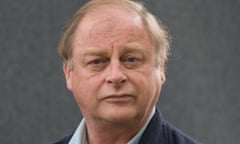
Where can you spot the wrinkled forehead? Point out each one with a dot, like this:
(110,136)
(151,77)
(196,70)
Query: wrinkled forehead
(107,17)
(111,10)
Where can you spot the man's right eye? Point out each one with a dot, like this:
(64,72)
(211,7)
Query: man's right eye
(97,64)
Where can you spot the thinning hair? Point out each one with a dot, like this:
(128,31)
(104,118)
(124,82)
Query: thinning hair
(154,27)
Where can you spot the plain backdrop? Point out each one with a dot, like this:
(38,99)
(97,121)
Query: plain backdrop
(201,95)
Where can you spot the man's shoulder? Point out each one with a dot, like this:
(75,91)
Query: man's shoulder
(64,140)
(159,131)
(175,136)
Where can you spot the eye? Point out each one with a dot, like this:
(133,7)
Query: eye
(97,64)
(132,61)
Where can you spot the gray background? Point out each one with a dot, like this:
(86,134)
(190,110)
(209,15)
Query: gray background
(201,95)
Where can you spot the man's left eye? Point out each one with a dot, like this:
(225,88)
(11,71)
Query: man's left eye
(131,59)
(132,62)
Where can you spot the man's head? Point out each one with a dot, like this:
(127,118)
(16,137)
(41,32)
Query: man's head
(113,55)
(154,27)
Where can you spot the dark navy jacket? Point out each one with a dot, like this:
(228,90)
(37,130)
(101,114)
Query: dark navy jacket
(159,131)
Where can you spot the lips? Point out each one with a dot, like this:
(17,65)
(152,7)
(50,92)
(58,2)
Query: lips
(124,98)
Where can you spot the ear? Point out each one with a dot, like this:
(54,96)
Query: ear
(163,77)
(162,72)
(68,75)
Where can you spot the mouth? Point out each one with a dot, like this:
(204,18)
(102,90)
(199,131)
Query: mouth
(119,99)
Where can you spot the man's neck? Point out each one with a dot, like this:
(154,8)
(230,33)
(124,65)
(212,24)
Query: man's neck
(102,132)
(109,133)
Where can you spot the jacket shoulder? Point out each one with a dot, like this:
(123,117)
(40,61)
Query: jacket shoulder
(64,140)
(175,136)
(159,131)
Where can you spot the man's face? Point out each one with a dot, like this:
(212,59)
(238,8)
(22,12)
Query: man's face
(114,76)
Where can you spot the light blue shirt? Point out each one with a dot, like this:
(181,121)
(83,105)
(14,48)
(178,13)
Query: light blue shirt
(79,136)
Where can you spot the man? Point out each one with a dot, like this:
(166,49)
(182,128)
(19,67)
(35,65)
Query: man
(114,53)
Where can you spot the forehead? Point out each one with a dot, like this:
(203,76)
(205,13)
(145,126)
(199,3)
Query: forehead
(107,12)
(110,26)
(104,18)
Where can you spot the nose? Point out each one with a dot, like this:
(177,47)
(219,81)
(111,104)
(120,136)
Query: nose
(115,74)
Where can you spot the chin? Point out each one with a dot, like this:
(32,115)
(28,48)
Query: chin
(120,115)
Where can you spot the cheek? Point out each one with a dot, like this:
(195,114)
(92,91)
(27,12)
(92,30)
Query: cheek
(85,89)
(85,85)
(85,97)
(148,84)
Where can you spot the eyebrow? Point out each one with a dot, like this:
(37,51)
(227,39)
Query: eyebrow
(94,52)
(133,47)
(128,48)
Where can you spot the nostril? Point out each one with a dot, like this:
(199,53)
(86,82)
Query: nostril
(112,80)
(122,81)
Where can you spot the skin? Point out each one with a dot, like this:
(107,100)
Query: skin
(114,78)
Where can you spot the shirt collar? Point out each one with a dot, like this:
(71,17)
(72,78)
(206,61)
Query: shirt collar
(137,137)
(79,136)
